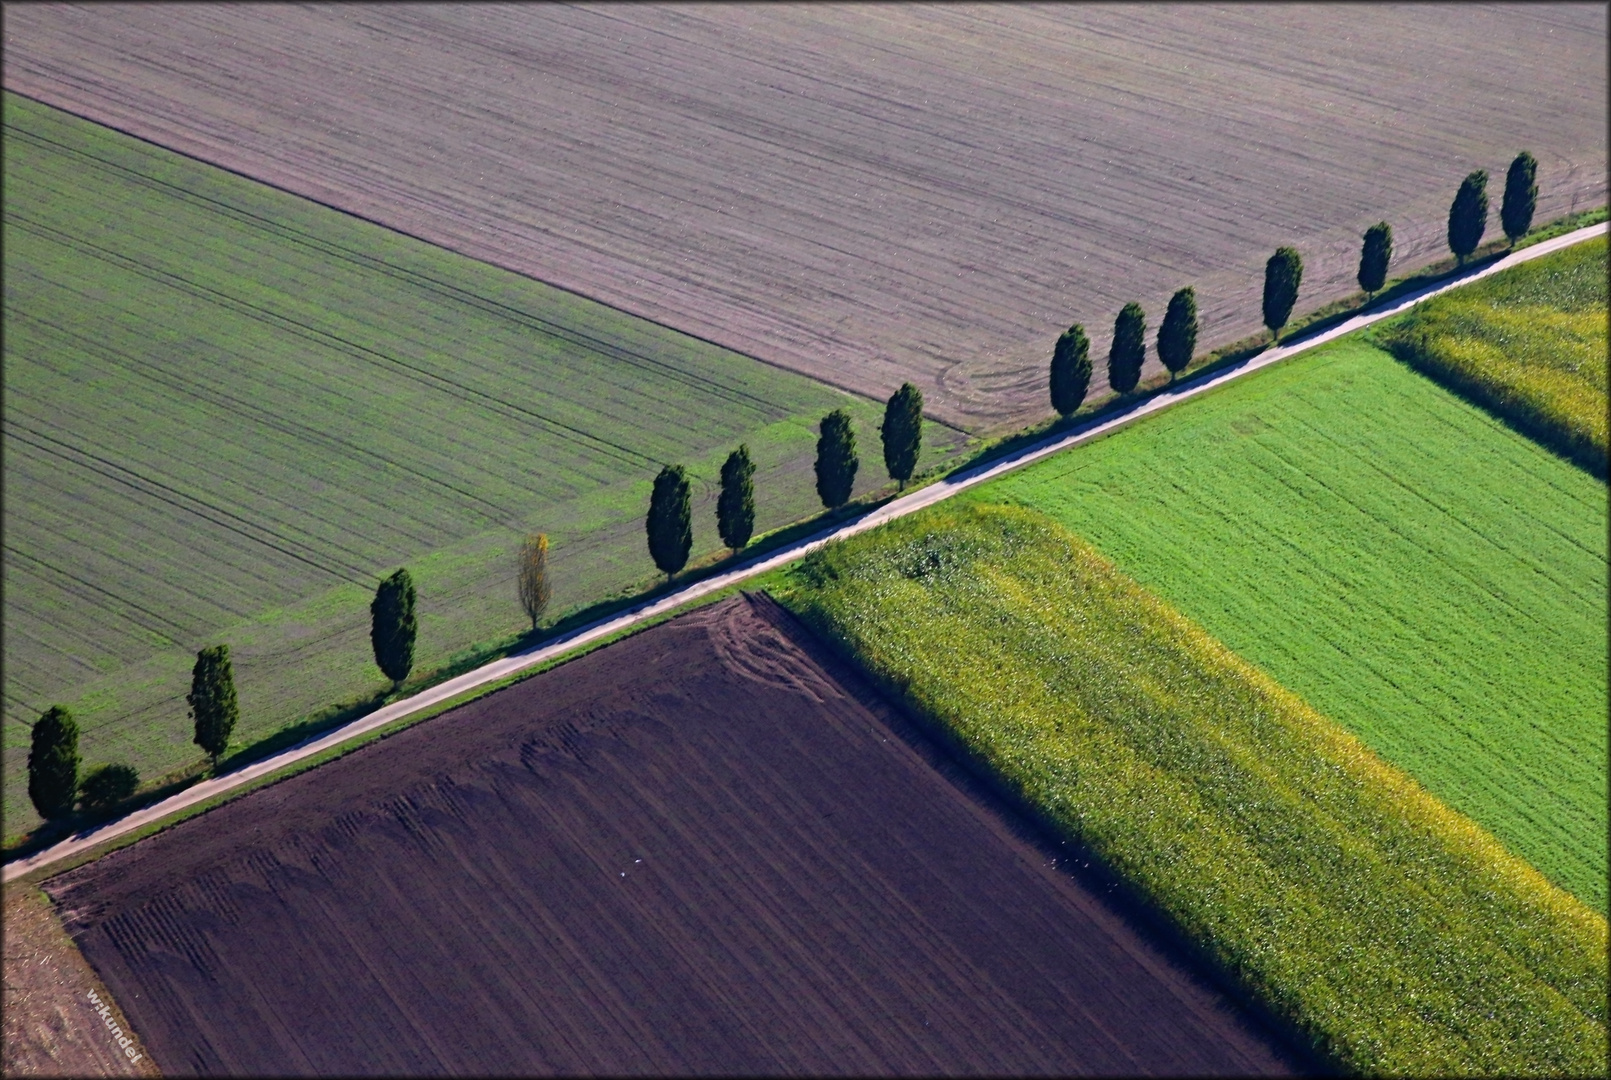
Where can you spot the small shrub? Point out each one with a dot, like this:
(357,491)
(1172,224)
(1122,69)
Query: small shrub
(107,785)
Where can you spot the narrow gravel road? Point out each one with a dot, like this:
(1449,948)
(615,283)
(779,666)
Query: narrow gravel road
(927,496)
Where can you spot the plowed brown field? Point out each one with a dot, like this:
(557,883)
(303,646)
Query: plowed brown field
(866,193)
(707,849)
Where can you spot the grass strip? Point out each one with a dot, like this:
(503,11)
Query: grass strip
(1395,934)
(1528,345)
(1430,580)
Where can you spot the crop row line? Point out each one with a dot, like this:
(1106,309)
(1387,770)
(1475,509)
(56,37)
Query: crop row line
(294,384)
(12,549)
(427,283)
(1395,481)
(313,544)
(624,454)
(230,403)
(178,499)
(141,716)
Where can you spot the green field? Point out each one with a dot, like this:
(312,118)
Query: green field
(1528,344)
(228,411)
(1397,935)
(1411,568)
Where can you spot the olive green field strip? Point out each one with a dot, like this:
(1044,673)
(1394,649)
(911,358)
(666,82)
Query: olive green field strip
(228,411)
(1394,933)
(1428,578)
(1529,345)
(867,193)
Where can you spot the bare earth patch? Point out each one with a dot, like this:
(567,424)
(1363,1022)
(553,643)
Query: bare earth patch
(51,1027)
(866,193)
(709,848)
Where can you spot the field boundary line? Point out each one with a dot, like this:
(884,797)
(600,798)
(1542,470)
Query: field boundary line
(487,260)
(940,490)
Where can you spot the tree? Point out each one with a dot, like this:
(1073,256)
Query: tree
(1177,337)
(535,588)
(212,701)
(392,627)
(1071,370)
(1468,215)
(903,432)
(670,523)
(1374,256)
(1129,349)
(836,459)
(1282,276)
(53,763)
(1521,197)
(106,786)
(735,506)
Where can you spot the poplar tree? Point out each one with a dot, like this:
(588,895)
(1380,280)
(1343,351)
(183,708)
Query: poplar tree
(1129,349)
(392,627)
(1071,370)
(903,432)
(1282,276)
(836,459)
(735,506)
(535,588)
(53,763)
(670,522)
(1177,337)
(1521,197)
(1468,215)
(212,701)
(1374,255)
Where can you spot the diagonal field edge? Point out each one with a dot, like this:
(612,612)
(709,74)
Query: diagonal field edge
(939,491)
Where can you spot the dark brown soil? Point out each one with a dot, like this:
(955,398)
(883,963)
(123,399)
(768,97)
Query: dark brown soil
(710,848)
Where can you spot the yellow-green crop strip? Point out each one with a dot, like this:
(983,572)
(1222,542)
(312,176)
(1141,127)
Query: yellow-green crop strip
(1392,931)
(229,411)
(1410,567)
(1528,343)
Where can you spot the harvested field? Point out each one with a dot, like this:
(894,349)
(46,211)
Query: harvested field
(1397,935)
(709,848)
(51,1025)
(228,411)
(866,193)
(1418,573)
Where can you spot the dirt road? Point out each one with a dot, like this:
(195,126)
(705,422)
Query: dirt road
(926,496)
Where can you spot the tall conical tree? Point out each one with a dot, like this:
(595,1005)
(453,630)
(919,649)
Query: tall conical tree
(212,701)
(670,521)
(735,506)
(1521,197)
(1071,370)
(1129,349)
(1374,255)
(392,627)
(836,459)
(902,432)
(1283,274)
(53,763)
(1177,337)
(1468,215)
